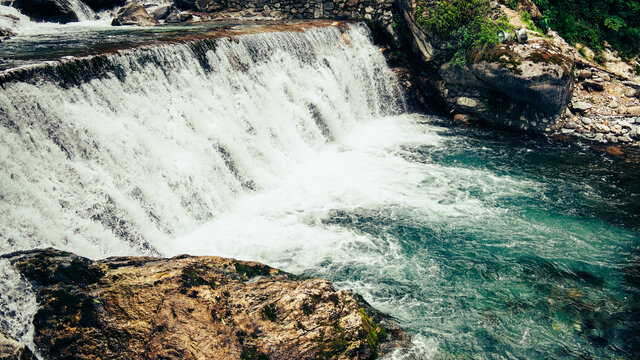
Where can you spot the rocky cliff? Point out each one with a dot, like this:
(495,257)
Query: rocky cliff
(519,86)
(195,308)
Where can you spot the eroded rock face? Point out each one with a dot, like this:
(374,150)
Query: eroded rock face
(133,14)
(11,349)
(194,308)
(518,86)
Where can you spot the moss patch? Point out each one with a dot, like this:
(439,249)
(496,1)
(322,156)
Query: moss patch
(192,276)
(269,312)
(373,332)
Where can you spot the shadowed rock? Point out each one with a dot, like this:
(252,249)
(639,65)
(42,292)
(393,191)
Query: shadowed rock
(195,308)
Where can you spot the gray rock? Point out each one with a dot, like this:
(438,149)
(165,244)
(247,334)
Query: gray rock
(587,121)
(600,138)
(631,84)
(581,106)
(625,139)
(567,131)
(571,125)
(601,128)
(605,76)
(161,12)
(178,17)
(612,139)
(133,14)
(613,104)
(625,124)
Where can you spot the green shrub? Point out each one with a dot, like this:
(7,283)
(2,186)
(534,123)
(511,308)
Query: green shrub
(465,24)
(593,22)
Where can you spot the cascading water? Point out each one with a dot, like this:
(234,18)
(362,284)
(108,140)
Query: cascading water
(294,149)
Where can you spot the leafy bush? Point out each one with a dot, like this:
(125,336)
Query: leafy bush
(593,22)
(464,23)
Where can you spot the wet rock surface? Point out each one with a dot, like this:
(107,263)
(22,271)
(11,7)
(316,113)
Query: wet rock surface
(61,11)
(11,349)
(133,14)
(195,308)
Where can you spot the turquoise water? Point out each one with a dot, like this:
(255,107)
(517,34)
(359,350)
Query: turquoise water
(550,271)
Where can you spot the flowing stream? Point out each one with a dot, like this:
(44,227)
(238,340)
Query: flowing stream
(295,149)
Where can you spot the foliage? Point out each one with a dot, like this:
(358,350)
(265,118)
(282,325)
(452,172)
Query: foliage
(593,22)
(464,23)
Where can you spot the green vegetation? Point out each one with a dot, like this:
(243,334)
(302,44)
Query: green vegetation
(269,312)
(192,276)
(464,23)
(373,332)
(593,22)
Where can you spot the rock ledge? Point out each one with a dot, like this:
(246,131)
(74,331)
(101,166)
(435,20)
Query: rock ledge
(195,308)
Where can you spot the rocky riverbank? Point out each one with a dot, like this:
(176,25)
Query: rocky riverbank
(195,308)
(605,108)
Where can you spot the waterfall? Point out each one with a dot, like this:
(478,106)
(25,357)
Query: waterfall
(118,154)
(82,10)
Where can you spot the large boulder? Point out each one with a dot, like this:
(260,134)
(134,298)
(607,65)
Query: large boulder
(60,11)
(133,14)
(11,349)
(523,87)
(194,308)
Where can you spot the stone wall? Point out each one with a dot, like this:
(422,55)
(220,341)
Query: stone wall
(317,9)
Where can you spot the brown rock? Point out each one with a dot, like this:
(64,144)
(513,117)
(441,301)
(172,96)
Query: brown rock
(584,74)
(195,308)
(11,349)
(461,119)
(133,14)
(614,150)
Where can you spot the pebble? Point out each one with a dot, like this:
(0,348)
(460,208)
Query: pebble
(586,120)
(582,106)
(599,138)
(611,138)
(617,129)
(567,131)
(625,124)
(601,128)
(571,125)
(625,139)
(605,77)
(630,92)
(613,104)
